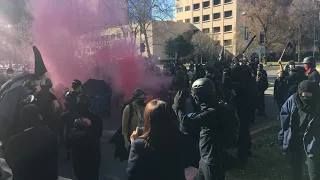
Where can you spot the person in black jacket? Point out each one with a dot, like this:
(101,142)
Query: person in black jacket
(160,148)
(280,90)
(33,153)
(70,112)
(85,141)
(309,64)
(203,92)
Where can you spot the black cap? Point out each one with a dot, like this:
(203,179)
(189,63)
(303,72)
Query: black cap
(76,84)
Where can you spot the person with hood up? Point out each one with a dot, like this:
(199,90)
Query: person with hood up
(203,92)
(33,153)
(300,125)
(48,105)
(309,64)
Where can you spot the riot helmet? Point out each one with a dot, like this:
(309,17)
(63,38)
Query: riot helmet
(203,91)
(76,84)
(310,61)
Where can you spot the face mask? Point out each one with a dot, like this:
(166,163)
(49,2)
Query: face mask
(141,102)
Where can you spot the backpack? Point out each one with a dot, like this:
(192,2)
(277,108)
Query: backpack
(117,139)
(230,124)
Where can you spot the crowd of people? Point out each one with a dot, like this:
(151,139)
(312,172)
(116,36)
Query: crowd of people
(161,135)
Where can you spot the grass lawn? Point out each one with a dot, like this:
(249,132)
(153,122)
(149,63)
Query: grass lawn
(267,162)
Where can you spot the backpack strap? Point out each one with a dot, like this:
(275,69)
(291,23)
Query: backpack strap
(130,118)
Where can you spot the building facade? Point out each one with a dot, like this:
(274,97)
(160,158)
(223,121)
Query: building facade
(218,17)
(158,32)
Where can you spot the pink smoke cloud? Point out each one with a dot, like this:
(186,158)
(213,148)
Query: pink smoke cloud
(56,28)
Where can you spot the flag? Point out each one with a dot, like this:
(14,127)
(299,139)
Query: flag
(289,48)
(221,54)
(39,67)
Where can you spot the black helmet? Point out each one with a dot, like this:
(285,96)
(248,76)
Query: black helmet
(76,84)
(203,90)
(310,61)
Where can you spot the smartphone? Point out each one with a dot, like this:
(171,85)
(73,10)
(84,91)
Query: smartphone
(140,131)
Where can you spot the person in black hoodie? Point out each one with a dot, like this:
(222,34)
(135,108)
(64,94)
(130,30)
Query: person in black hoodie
(300,130)
(33,153)
(69,114)
(85,141)
(203,92)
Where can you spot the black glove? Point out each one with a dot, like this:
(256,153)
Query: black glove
(180,98)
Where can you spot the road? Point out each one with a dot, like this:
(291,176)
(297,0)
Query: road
(112,169)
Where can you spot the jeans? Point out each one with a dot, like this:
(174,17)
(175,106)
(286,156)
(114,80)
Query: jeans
(313,168)
(210,172)
(297,160)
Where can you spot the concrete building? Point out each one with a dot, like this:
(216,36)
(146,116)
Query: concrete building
(157,33)
(218,17)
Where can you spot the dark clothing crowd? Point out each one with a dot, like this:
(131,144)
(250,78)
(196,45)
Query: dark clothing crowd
(299,107)
(163,137)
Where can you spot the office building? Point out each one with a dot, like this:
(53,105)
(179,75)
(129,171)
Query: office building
(218,17)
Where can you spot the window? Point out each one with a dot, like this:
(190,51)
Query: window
(196,19)
(227,1)
(196,6)
(187,8)
(187,20)
(228,14)
(216,16)
(179,20)
(228,28)
(216,2)
(206,18)
(179,10)
(206,30)
(227,42)
(206,4)
(216,29)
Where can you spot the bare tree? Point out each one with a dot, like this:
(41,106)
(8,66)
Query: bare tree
(204,45)
(268,17)
(145,12)
(304,19)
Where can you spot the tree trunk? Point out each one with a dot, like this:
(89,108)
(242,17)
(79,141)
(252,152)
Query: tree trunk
(147,43)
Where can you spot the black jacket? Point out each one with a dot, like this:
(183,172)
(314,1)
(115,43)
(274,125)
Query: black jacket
(210,134)
(33,154)
(314,76)
(153,164)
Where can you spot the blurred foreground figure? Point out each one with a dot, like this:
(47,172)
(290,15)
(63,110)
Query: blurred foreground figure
(300,123)
(159,148)
(33,153)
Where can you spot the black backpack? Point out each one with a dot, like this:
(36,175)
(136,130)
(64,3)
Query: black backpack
(117,139)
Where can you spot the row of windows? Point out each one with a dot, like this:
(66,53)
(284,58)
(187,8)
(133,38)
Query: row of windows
(205,4)
(216,16)
(217,29)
